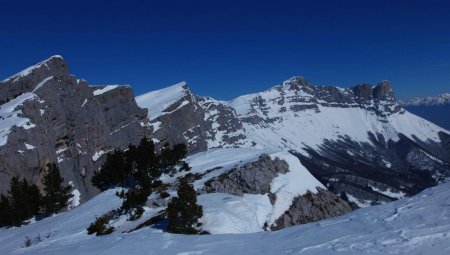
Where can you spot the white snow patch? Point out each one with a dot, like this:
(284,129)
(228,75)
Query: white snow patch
(389,192)
(9,116)
(97,155)
(61,150)
(387,163)
(74,201)
(42,83)
(29,146)
(104,90)
(359,202)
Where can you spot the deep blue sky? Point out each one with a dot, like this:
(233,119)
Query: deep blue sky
(228,48)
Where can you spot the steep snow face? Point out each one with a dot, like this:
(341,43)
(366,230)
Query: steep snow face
(417,225)
(295,115)
(158,101)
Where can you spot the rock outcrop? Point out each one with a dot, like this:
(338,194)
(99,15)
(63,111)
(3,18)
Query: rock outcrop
(256,178)
(251,178)
(312,207)
(67,122)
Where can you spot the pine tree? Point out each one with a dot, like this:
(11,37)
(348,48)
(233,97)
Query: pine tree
(23,202)
(171,159)
(56,195)
(183,212)
(114,172)
(5,211)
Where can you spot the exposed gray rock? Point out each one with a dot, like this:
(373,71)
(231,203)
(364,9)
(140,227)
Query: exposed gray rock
(223,127)
(72,126)
(183,122)
(312,207)
(251,178)
(29,78)
(199,122)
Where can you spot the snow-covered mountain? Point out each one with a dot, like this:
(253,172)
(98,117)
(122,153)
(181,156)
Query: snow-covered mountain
(357,141)
(264,161)
(437,100)
(417,225)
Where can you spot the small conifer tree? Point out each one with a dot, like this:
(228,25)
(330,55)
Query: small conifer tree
(56,195)
(183,212)
(21,203)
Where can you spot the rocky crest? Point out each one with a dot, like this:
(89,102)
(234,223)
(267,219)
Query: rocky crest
(67,122)
(199,122)
(312,207)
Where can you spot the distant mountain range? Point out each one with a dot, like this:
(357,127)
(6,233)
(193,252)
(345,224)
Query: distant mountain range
(435,109)
(442,99)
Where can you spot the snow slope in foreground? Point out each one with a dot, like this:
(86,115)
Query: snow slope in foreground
(417,225)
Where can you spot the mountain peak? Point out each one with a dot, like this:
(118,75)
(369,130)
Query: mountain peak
(53,66)
(383,91)
(296,82)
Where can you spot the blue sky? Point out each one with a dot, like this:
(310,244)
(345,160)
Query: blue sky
(227,48)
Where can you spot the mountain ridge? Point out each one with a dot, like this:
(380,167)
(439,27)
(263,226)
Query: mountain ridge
(358,141)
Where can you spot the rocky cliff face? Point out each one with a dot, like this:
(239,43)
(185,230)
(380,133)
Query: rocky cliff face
(202,123)
(53,117)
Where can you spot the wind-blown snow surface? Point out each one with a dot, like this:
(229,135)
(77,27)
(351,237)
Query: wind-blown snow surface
(417,225)
(157,101)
